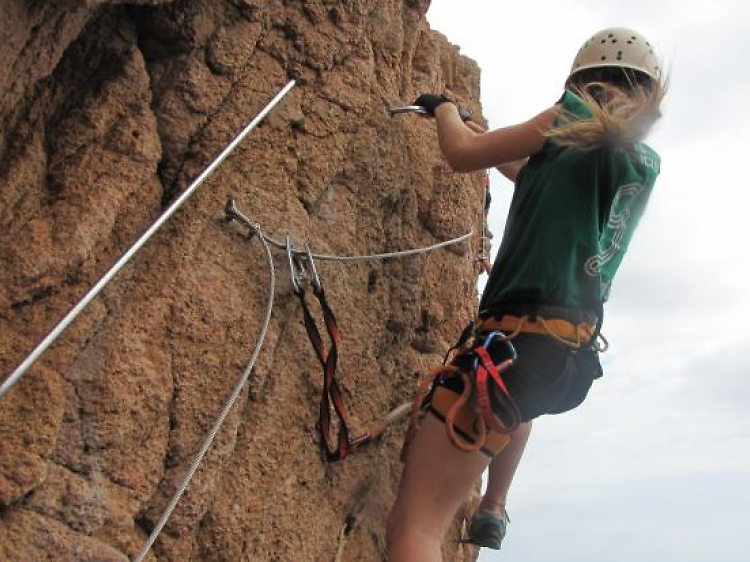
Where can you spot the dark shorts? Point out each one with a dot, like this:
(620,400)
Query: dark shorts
(547,378)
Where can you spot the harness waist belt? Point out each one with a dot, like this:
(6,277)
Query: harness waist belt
(555,327)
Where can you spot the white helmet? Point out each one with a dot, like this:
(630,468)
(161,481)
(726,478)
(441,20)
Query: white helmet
(618,47)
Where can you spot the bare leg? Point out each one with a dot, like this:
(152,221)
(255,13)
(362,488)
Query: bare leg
(436,481)
(502,469)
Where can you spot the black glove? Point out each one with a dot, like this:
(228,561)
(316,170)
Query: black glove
(430,102)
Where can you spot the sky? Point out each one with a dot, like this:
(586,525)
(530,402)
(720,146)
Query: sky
(655,465)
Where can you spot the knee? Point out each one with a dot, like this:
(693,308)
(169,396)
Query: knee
(409,539)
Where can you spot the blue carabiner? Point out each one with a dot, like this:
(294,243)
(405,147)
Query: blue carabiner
(488,342)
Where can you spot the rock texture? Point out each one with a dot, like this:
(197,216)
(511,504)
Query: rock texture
(108,110)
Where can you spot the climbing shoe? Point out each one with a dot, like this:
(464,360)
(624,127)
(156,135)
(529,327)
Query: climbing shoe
(487,529)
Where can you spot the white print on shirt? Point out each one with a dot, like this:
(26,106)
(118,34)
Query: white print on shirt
(647,159)
(617,227)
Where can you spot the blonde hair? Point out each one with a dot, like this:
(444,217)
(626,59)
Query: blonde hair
(622,112)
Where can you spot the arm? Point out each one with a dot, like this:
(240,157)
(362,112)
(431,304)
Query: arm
(467,151)
(509,170)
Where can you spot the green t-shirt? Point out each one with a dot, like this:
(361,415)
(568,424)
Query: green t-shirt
(571,218)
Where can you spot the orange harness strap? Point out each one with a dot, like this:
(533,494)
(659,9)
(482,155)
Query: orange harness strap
(459,409)
(567,333)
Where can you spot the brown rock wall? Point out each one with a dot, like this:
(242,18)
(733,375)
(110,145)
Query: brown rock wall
(110,110)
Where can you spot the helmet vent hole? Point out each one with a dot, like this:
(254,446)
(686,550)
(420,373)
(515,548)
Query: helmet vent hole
(614,40)
(604,57)
(619,55)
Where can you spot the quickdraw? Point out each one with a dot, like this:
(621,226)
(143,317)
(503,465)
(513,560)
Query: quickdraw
(331,397)
(331,394)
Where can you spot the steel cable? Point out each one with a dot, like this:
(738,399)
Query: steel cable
(224,413)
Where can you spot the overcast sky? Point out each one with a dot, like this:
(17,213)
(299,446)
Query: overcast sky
(655,466)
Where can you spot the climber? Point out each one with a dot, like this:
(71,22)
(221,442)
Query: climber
(575,207)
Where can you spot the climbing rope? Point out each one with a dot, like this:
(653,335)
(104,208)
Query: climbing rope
(224,412)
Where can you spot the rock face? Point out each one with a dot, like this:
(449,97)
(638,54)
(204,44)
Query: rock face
(108,110)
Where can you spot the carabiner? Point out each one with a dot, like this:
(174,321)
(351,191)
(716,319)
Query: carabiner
(464,113)
(294,268)
(406,109)
(311,271)
(486,345)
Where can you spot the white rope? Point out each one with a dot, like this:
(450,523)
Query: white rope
(224,413)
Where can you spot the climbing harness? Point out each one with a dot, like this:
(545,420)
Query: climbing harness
(571,335)
(474,366)
(16,375)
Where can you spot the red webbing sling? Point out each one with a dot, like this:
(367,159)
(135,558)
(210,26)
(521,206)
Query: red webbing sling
(484,367)
(331,395)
